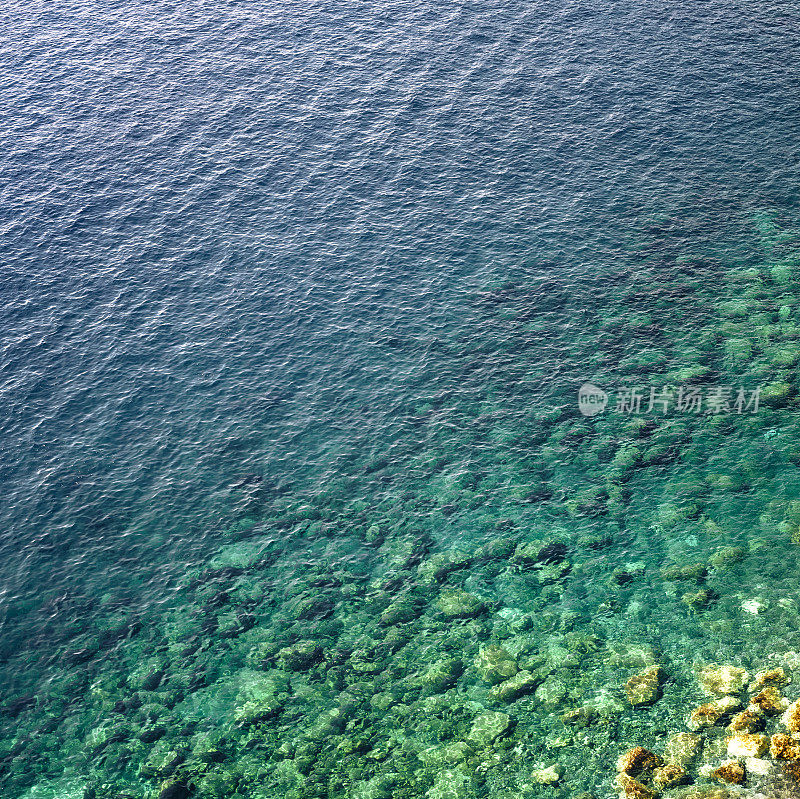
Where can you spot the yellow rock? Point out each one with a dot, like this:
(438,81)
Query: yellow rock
(642,688)
(747,745)
(711,713)
(637,760)
(770,701)
(629,788)
(784,747)
(683,748)
(777,678)
(731,772)
(669,776)
(791,718)
(716,680)
(751,719)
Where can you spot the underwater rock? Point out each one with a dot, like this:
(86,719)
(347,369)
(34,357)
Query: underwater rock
(162,761)
(403,553)
(769,701)
(451,784)
(776,678)
(311,608)
(550,693)
(497,549)
(697,599)
(547,776)
(437,567)
(535,552)
(751,719)
(716,680)
(643,688)
(403,609)
(638,760)
(629,655)
(669,776)
(552,572)
(447,755)
(784,747)
(255,712)
(711,713)
(759,767)
(443,674)
(791,718)
(300,656)
(152,733)
(630,788)
(457,604)
(494,664)
(173,789)
(239,556)
(583,716)
(726,557)
(731,772)
(523,682)
(488,727)
(746,744)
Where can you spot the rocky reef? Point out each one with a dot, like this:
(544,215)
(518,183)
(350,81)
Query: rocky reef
(510,601)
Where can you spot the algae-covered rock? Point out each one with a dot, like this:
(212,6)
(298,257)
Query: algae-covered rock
(694,572)
(751,719)
(791,716)
(457,604)
(643,688)
(669,776)
(403,609)
(552,691)
(549,775)
(745,744)
(311,608)
(494,664)
(446,755)
(553,571)
(731,772)
(300,656)
(488,727)
(523,682)
(697,599)
(769,701)
(629,655)
(438,566)
(727,557)
(711,713)
(775,394)
(776,678)
(443,674)
(541,553)
(720,680)
(683,748)
(497,549)
(451,784)
(631,788)
(240,556)
(784,747)
(638,760)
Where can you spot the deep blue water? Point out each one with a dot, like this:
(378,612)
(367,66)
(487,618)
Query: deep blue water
(241,243)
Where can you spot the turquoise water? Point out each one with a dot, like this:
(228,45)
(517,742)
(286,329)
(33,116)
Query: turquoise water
(297,303)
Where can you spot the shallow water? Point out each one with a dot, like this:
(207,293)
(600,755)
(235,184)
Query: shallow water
(297,304)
